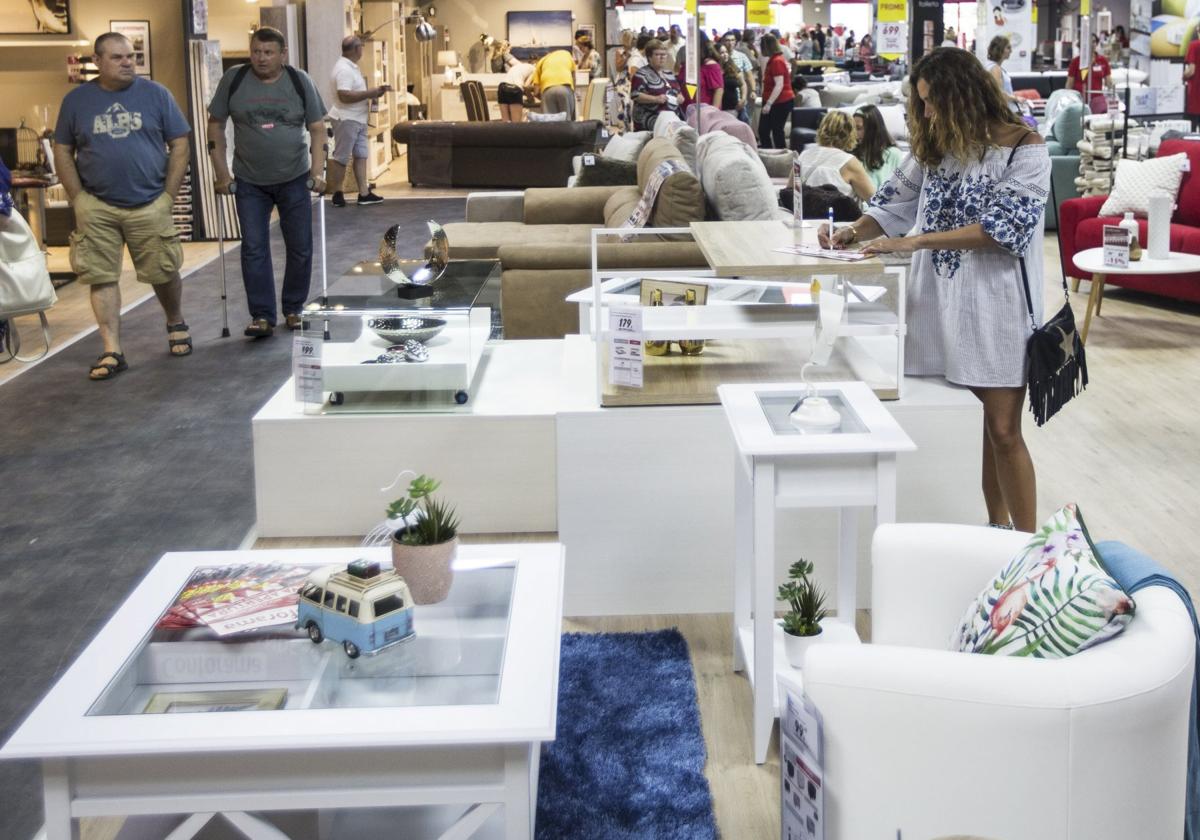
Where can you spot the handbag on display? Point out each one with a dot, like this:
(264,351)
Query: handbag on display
(25,286)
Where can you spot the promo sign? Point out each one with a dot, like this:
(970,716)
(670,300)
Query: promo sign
(891,29)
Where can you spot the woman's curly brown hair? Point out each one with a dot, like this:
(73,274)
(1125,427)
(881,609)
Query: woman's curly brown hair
(966,101)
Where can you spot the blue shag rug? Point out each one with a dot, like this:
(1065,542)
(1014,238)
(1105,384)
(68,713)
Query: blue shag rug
(628,761)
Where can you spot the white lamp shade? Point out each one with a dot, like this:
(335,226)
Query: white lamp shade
(447,58)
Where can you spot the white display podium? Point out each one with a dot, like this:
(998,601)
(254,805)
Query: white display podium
(640,496)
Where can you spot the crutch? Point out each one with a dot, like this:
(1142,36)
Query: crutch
(221,250)
(321,226)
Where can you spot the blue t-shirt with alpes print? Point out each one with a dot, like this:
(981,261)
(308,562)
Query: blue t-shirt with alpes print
(120,139)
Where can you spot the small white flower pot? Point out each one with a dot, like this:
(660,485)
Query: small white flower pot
(796,646)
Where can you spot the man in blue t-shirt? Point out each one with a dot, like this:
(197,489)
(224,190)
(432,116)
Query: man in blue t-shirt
(121,150)
(275,164)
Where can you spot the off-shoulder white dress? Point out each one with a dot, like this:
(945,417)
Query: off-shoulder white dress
(967,318)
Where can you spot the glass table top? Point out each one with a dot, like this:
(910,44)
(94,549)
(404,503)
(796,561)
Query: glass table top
(455,657)
(759,291)
(365,287)
(778,408)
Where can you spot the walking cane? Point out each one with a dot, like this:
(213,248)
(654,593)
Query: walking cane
(321,224)
(221,251)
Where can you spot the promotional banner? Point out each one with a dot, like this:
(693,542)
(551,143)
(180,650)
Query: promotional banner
(891,29)
(759,11)
(1013,19)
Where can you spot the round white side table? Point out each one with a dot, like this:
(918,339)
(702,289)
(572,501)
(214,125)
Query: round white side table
(1092,261)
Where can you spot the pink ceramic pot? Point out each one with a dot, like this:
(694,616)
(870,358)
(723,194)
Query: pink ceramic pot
(426,568)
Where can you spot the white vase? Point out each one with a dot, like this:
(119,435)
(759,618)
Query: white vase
(796,646)
(1158,224)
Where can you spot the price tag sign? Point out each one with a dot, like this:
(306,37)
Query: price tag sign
(306,368)
(1116,247)
(625,347)
(797,192)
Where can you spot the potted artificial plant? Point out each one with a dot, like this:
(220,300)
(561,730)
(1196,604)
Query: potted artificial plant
(802,623)
(424,546)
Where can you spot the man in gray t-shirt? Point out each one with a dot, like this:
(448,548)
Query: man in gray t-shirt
(273,105)
(121,151)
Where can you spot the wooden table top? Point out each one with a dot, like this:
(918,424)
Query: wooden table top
(747,249)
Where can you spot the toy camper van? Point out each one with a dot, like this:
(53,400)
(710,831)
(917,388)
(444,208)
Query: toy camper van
(363,608)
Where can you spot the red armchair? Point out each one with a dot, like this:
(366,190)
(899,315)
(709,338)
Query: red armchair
(1080,227)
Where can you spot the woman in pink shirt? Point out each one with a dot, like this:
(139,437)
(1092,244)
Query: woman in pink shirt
(712,77)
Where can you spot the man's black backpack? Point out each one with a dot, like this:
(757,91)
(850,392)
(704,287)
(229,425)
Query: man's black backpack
(292,73)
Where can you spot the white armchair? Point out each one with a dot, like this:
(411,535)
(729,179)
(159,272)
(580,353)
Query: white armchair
(934,742)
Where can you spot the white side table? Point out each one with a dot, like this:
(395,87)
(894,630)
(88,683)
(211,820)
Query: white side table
(779,467)
(1092,261)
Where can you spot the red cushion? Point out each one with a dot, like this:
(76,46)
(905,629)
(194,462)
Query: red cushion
(1188,212)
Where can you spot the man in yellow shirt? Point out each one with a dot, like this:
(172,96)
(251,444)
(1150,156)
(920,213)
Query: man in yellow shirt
(554,76)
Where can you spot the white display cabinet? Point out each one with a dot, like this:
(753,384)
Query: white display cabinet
(756,323)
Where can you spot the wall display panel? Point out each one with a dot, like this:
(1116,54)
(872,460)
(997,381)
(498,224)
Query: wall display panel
(138,33)
(204,72)
(536,33)
(35,17)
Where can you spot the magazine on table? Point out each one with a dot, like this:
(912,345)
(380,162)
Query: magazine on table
(233,599)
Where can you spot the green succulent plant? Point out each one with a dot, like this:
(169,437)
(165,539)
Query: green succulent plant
(806,600)
(438,521)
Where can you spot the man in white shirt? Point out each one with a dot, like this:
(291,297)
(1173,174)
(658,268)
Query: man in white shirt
(350,111)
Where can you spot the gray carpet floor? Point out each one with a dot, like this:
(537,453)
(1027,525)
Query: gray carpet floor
(99,479)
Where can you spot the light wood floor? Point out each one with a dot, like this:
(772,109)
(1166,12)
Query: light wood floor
(1127,451)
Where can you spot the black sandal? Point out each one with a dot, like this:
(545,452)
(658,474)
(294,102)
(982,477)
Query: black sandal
(110,369)
(179,342)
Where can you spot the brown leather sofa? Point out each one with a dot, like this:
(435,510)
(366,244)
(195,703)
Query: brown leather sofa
(494,154)
(545,245)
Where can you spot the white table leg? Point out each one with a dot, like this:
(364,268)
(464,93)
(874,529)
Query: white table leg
(743,554)
(188,829)
(847,580)
(518,798)
(763,596)
(56,793)
(255,828)
(885,492)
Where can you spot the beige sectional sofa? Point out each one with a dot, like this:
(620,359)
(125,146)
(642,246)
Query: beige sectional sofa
(543,241)
(542,237)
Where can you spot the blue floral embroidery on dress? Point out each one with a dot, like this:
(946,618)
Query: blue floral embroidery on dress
(953,201)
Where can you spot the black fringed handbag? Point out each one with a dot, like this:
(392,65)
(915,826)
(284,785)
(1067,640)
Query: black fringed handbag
(1055,365)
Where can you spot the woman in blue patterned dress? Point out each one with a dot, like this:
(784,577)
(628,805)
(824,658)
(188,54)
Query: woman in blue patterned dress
(967,203)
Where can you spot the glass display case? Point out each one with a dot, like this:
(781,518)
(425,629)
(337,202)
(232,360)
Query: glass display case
(753,322)
(390,347)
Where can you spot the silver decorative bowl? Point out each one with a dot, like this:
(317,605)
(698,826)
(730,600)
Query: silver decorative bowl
(427,274)
(399,329)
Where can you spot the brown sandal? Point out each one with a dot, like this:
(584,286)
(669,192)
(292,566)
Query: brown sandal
(107,370)
(259,328)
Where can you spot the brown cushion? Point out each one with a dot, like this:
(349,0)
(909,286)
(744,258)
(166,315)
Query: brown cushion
(482,241)
(680,200)
(566,206)
(619,206)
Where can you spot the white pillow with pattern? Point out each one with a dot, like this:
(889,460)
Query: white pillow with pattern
(1053,599)
(1137,180)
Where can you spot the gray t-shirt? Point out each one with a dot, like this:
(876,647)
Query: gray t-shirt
(270,143)
(120,139)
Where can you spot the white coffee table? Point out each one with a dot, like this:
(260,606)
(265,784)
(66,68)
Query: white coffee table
(1092,261)
(454,717)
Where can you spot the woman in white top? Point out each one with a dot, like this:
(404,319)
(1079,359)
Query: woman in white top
(1000,49)
(972,195)
(830,161)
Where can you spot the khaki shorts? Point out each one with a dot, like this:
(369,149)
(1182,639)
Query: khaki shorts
(101,231)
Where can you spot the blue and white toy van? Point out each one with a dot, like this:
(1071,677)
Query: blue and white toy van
(363,608)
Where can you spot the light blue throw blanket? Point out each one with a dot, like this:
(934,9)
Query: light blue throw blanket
(1134,571)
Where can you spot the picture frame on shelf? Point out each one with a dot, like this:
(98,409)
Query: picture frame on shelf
(674,293)
(138,33)
(235,700)
(35,17)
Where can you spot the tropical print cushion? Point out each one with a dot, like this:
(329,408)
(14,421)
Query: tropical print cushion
(1053,599)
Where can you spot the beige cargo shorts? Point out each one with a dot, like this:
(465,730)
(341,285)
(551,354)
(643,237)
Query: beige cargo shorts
(102,230)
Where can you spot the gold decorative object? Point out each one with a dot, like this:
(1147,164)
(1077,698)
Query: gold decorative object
(657,348)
